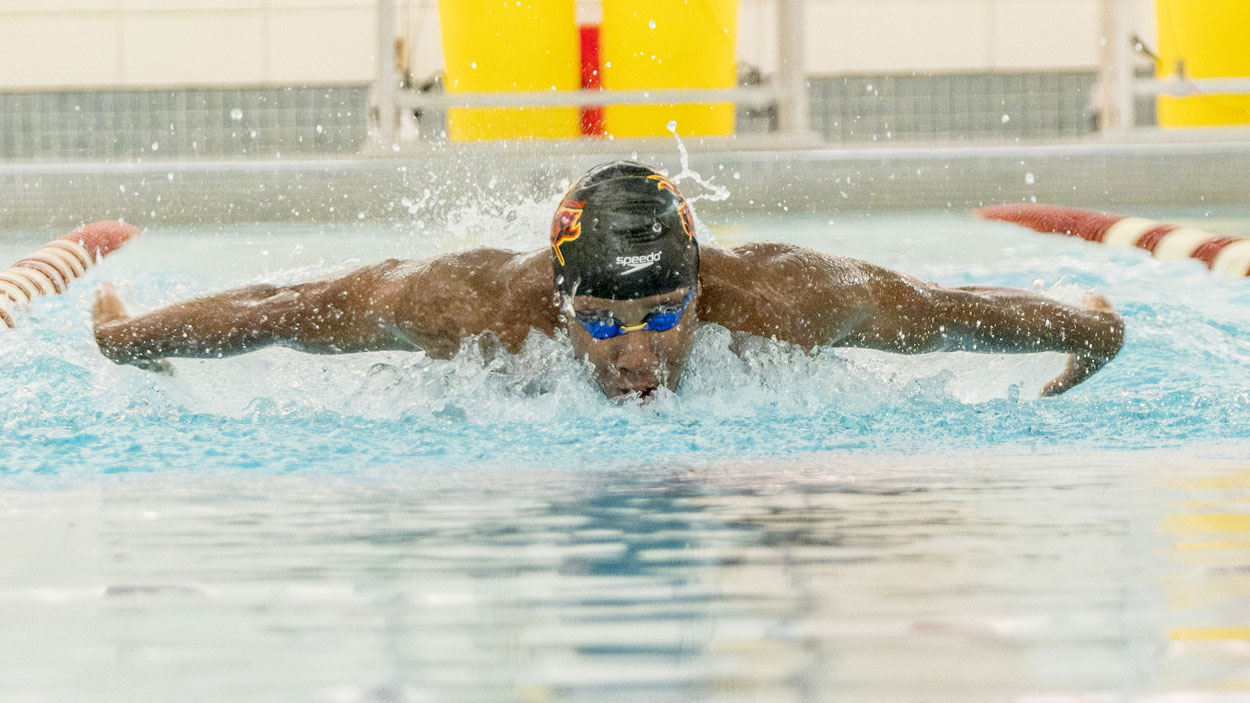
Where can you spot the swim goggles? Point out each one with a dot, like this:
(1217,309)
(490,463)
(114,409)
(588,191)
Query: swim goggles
(606,327)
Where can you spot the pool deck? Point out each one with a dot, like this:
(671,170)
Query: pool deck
(1151,169)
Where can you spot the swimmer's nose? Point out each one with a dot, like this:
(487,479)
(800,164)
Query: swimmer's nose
(638,364)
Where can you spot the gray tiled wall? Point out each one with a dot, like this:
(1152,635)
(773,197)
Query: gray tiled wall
(183,123)
(211,123)
(953,107)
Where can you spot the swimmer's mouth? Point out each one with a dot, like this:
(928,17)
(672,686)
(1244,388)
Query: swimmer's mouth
(637,385)
(641,393)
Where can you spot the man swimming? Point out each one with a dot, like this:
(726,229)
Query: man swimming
(627,279)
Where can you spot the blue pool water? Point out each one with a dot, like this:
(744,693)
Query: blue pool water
(1179,382)
(846,525)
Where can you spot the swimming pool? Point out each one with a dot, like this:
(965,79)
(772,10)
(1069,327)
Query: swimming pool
(787,527)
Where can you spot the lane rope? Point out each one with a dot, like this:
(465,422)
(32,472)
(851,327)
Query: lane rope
(51,269)
(1224,255)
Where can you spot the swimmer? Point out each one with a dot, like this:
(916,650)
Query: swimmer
(627,279)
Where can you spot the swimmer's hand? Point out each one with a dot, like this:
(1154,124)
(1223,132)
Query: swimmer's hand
(107,312)
(1103,345)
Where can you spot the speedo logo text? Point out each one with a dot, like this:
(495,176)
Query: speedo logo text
(634,264)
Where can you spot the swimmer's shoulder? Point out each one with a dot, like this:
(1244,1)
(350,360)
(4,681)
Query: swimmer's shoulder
(453,296)
(764,261)
(483,269)
(498,279)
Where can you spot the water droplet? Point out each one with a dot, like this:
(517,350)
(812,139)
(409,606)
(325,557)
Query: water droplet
(156,146)
(236,114)
(1028,178)
(672,125)
(657,228)
(1006,119)
(651,24)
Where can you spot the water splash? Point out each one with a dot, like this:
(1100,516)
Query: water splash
(706,189)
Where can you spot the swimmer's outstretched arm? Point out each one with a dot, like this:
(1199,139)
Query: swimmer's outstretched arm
(811,299)
(921,317)
(351,313)
(429,305)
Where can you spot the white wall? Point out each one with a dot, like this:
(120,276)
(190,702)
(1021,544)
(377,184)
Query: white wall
(902,36)
(152,43)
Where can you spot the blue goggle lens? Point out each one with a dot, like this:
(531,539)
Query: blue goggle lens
(655,322)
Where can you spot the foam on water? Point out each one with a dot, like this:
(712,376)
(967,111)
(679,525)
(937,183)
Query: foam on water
(1179,382)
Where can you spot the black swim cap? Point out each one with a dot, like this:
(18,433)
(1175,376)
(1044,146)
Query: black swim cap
(622,232)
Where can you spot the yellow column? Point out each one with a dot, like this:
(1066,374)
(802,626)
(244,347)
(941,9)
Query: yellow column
(1210,39)
(662,44)
(511,46)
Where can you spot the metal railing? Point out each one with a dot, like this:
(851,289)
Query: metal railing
(787,90)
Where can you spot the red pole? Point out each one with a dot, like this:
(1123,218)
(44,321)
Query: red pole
(592,117)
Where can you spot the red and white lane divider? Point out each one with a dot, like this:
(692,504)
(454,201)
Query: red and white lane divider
(50,270)
(1229,256)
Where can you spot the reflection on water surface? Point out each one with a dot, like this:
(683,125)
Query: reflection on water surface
(954,578)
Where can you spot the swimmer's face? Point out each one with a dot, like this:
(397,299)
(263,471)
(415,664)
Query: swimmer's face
(636,362)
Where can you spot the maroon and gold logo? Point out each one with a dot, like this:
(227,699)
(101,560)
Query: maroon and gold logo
(687,219)
(663,183)
(566,226)
(683,208)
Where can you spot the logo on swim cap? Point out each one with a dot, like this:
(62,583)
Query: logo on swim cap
(566,226)
(623,231)
(635,264)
